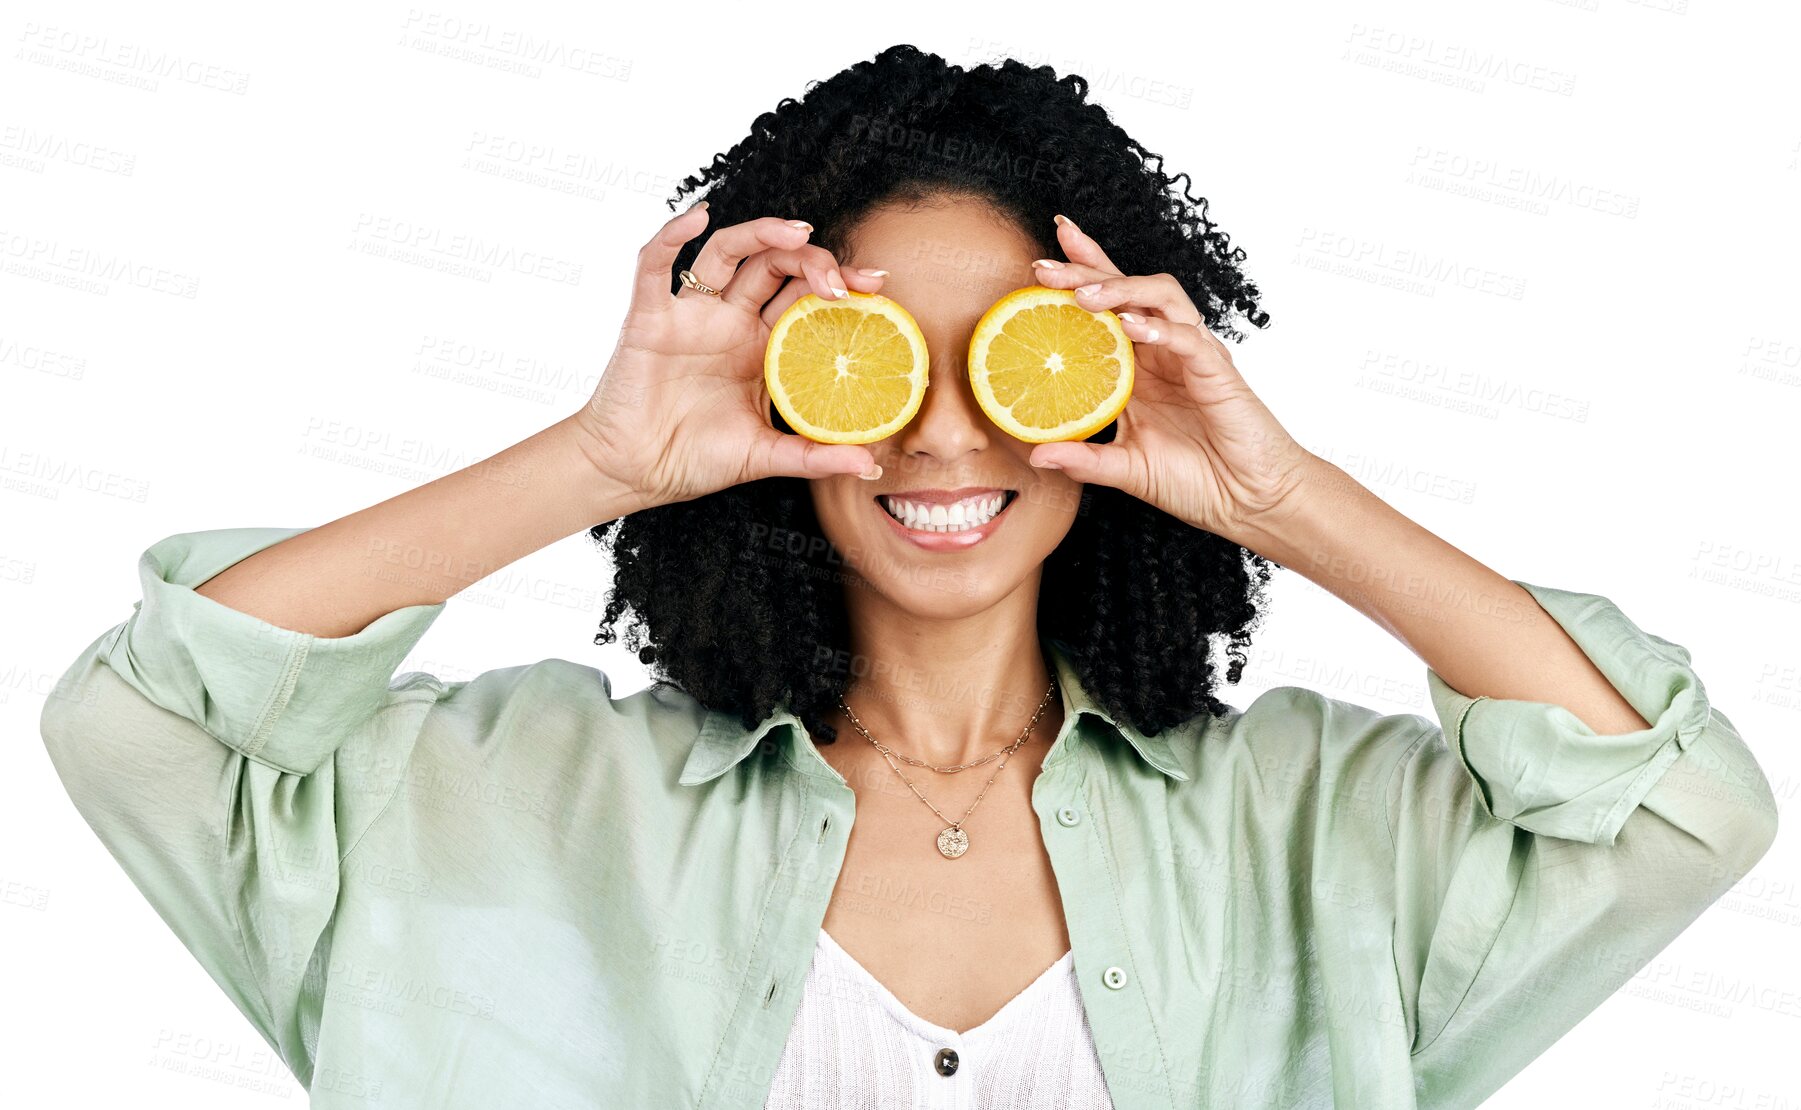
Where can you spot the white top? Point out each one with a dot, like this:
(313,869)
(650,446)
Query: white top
(854,1046)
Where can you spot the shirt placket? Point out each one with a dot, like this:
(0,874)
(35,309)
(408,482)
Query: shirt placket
(1118,1016)
(794,911)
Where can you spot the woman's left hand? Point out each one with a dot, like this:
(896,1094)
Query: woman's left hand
(1193,440)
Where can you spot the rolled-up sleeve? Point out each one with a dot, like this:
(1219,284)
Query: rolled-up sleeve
(1539,865)
(230,765)
(283,698)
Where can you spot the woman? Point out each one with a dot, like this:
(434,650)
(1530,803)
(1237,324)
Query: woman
(1049,867)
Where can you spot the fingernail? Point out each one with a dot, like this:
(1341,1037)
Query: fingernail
(874,472)
(1049,263)
(835,282)
(1131,318)
(802,224)
(700,204)
(1047,466)
(872,273)
(1062,219)
(1090,289)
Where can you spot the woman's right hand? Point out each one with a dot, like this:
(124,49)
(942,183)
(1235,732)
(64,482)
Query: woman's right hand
(682,409)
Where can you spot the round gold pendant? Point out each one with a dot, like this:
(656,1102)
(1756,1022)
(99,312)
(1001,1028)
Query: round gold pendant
(953,842)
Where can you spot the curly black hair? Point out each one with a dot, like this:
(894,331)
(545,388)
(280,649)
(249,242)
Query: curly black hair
(736,598)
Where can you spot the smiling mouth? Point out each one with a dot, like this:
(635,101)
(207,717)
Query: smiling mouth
(960,516)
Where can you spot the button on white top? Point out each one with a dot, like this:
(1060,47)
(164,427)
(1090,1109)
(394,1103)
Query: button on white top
(854,1044)
(1068,815)
(1114,977)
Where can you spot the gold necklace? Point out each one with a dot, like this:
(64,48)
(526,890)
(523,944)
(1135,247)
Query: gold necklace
(953,841)
(951,770)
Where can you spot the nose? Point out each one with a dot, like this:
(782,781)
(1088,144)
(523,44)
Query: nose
(949,423)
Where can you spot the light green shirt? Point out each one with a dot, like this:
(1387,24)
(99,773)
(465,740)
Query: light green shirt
(519,891)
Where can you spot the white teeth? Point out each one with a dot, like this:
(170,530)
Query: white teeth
(959,517)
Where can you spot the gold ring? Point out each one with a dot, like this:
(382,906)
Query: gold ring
(698,285)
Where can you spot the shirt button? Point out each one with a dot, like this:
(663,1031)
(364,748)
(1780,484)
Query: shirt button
(947,1061)
(1114,977)
(1068,816)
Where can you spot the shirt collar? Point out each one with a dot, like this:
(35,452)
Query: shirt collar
(724,741)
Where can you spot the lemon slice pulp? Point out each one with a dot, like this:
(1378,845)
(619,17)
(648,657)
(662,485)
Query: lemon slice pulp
(1044,368)
(852,370)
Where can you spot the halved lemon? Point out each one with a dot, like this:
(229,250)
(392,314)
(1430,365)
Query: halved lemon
(1044,368)
(852,370)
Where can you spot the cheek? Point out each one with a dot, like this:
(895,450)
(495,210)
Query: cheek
(1053,502)
(851,521)
(837,515)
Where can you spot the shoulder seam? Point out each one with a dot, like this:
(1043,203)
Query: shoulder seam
(439,692)
(1481,965)
(237,921)
(1388,821)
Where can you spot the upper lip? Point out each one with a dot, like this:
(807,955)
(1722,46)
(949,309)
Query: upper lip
(943,496)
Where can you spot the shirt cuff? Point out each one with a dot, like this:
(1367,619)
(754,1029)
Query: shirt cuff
(283,698)
(1538,766)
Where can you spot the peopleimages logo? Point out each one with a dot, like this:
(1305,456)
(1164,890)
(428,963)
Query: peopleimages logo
(121,61)
(460,252)
(86,270)
(508,49)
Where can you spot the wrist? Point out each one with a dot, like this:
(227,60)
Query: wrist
(604,496)
(1296,528)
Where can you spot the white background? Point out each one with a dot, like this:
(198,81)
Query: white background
(1591,381)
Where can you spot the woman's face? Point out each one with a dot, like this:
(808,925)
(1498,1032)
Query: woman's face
(947,262)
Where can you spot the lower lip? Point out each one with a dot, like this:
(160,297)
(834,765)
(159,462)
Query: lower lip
(946,541)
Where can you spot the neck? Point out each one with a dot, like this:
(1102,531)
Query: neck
(950,691)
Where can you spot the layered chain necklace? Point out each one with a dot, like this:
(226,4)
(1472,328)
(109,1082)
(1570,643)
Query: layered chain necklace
(953,840)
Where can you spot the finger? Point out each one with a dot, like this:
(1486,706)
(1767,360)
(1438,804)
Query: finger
(794,456)
(1079,246)
(762,274)
(726,248)
(1140,328)
(1160,294)
(650,284)
(1104,464)
(1199,352)
(861,280)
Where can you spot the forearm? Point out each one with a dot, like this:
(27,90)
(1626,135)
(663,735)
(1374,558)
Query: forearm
(425,545)
(1483,634)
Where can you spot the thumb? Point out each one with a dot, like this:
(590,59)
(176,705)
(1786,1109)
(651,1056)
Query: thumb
(1093,463)
(796,456)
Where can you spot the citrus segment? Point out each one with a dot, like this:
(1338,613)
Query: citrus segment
(1044,368)
(852,370)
